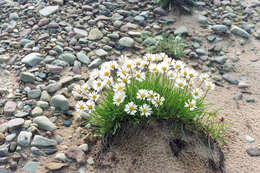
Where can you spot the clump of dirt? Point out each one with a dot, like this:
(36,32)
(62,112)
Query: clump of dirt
(154,148)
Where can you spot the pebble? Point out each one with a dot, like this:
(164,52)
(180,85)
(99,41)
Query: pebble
(40,141)
(53,166)
(230,78)
(250,100)
(67,123)
(101,53)
(49,10)
(9,138)
(27,77)
(249,139)
(34,94)
(32,59)
(84,147)
(44,123)
(242,85)
(90,161)
(95,34)
(9,107)
(127,42)
(95,64)
(253,152)
(21,114)
(60,102)
(239,32)
(61,157)
(221,29)
(82,57)
(77,154)
(24,138)
(221,59)
(15,123)
(31,167)
(2,138)
(37,111)
(182,30)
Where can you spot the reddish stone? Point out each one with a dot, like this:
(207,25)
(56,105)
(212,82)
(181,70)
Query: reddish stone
(10,107)
(77,154)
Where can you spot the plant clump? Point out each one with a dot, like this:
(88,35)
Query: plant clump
(154,87)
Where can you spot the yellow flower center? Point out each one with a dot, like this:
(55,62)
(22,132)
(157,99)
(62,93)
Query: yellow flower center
(120,88)
(106,73)
(118,100)
(90,107)
(158,101)
(138,75)
(98,84)
(190,105)
(108,82)
(151,96)
(131,108)
(129,65)
(86,88)
(185,73)
(203,78)
(144,111)
(191,75)
(81,107)
(149,58)
(180,84)
(154,69)
(123,71)
(196,93)
(164,68)
(177,66)
(124,80)
(209,86)
(79,91)
(138,63)
(142,95)
(113,66)
(94,97)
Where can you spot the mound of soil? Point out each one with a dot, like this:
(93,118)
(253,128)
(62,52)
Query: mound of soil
(155,149)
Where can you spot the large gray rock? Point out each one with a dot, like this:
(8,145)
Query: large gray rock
(95,34)
(60,102)
(44,123)
(49,10)
(24,138)
(14,123)
(126,42)
(32,59)
(40,141)
(239,32)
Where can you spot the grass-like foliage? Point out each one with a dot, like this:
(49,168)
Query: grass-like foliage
(170,44)
(183,5)
(141,90)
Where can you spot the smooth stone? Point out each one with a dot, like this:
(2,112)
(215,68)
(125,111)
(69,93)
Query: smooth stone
(37,111)
(40,141)
(44,123)
(60,102)
(96,63)
(80,32)
(45,96)
(203,20)
(21,114)
(249,139)
(221,59)
(90,161)
(250,100)
(15,123)
(2,138)
(24,138)
(230,78)
(219,28)
(126,42)
(31,167)
(32,59)
(239,32)
(36,151)
(77,154)
(82,57)
(242,85)
(9,107)
(200,51)
(101,53)
(95,34)
(253,152)
(67,123)
(139,19)
(49,10)
(42,104)
(84,147)
(61,157)
(34,94)
(10,137)
(27,77)
(181,31)
(4,58)
(4,170)
(53,166)
(68,57)
(160,11)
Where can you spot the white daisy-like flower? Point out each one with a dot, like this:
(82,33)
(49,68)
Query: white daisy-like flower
(113,65)
(156,57)
(80,106)
(163,67)
(191,104)
(124,79)
(122,71)
(140,76)
(210,85)
(98,85)
(169,61)
(104,72)
(148,57)
(163,56)
(94,96)
(118,98)
(184,72)
(151,95)
(192,73)
(108,81)
(90,106)
(145,110)
(142,94)
(173,75)
(204,77)
(138,63)
(106,66)
(197,93)
(158,101)
(123,58)
(153,68)
(86,88)
(129,64)
(180,83)
(77,90)
(130,108)
(119,87)
(178,65)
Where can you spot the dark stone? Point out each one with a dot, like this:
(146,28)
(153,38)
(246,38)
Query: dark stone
(253,152)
